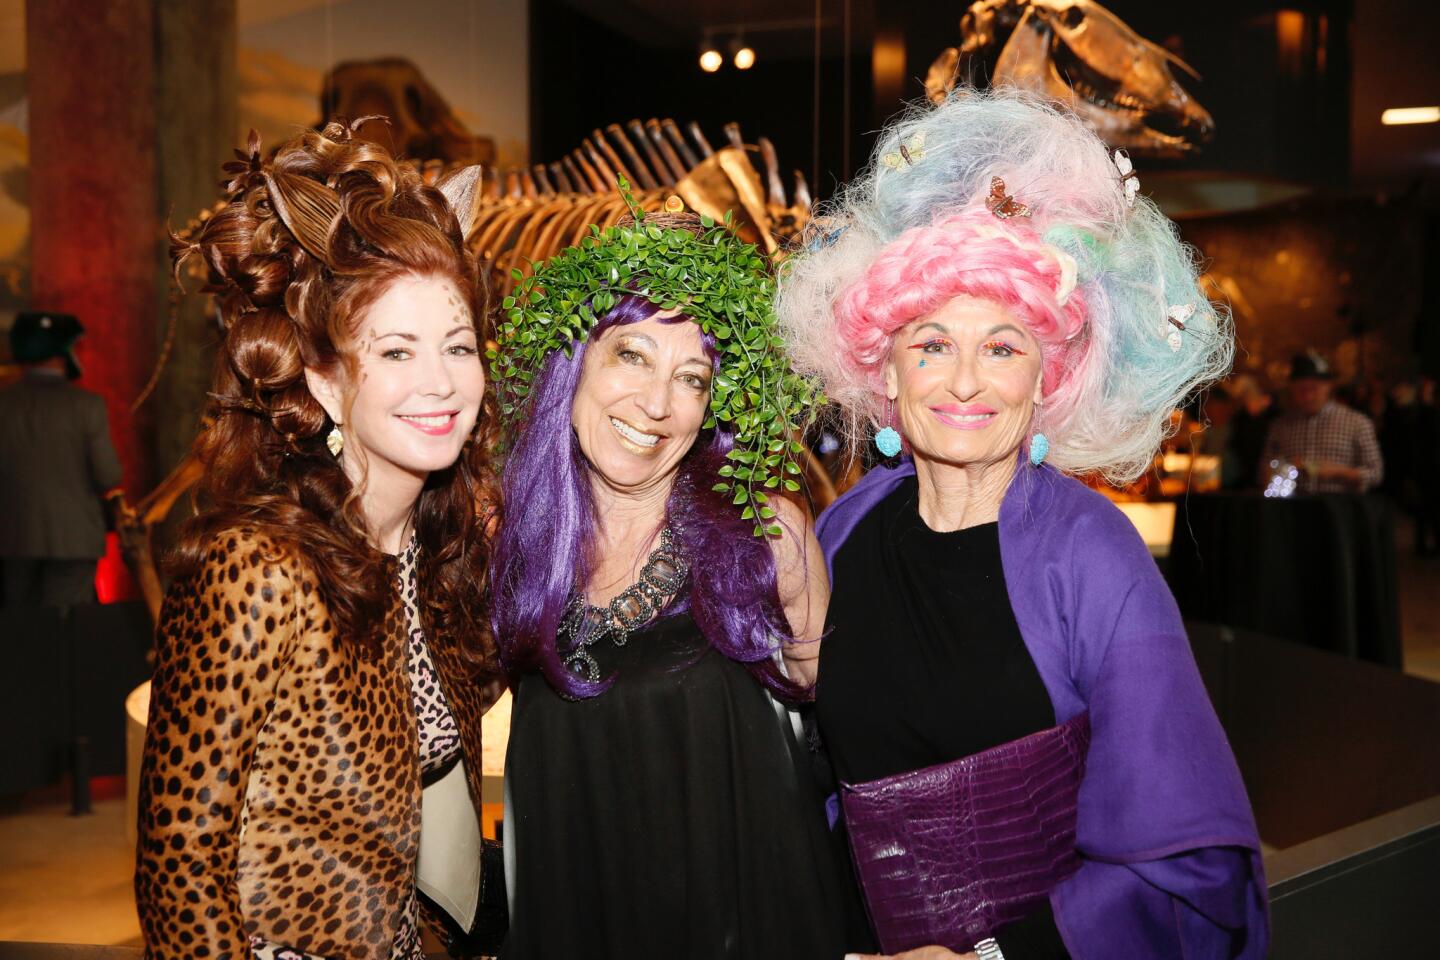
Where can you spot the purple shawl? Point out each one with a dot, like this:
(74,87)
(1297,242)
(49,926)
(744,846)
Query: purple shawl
(1171,856)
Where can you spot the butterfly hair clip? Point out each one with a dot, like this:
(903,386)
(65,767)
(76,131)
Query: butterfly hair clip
(1129,179)
(1002,204)
(906,154)
(822,238)
(1174,324)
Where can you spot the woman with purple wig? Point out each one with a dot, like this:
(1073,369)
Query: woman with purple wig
(1029,765)
(652,592)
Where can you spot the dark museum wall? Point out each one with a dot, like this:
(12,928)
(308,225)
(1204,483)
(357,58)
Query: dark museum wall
(1313,217)
(595,63)
(1340,273)
(1275,76)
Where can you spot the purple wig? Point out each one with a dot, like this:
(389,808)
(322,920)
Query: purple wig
(545,547)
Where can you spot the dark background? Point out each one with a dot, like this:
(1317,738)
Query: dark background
(1350,264)
(1277,77)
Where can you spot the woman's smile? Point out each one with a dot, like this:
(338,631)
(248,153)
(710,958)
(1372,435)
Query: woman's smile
(434,424)
(645,442)
(969,416)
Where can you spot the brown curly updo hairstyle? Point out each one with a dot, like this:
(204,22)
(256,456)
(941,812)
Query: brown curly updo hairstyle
(307,242)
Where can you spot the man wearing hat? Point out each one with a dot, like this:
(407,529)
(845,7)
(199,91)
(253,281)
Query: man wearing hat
(56,465)
(1334,446)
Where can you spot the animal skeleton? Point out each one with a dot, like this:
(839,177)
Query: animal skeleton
(529,214)
(1081,54)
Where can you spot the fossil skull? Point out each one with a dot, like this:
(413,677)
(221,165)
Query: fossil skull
(422,124)
(1079,53)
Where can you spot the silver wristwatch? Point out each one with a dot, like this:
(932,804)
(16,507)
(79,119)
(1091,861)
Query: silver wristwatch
(988,949)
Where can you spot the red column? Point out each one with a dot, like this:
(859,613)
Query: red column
(95,231)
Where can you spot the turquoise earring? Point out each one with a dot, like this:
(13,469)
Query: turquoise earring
(887,438)
(1039,448)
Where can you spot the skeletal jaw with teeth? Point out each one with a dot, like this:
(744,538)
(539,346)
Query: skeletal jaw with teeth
(1079,53)
(633,435)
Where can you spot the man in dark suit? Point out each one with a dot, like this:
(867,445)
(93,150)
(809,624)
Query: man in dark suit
(56,465)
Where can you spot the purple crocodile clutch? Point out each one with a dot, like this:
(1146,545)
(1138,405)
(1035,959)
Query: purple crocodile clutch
(948,854)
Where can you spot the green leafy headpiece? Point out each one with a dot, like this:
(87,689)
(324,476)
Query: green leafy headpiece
(715,279)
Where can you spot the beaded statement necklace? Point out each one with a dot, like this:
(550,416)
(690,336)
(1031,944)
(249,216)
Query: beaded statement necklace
(661,578)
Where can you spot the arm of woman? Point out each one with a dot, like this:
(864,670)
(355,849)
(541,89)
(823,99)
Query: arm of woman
(224,638)
(1171,858)
(804,587)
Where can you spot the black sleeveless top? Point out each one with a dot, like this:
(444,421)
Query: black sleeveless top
(923,662)
(671,816)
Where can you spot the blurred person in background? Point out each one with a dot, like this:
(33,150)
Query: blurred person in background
(1334,446)
(1254,410)
(1367,396)
(57,464)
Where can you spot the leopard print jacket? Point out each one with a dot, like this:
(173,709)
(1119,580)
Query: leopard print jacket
(280,786)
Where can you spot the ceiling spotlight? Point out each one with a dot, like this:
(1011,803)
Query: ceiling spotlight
(710,60)
(740,52)
(1396,116)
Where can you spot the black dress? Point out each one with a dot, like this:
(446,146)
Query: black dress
(923,663)
(671,816)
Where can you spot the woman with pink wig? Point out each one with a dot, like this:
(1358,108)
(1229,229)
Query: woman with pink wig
(1029,765)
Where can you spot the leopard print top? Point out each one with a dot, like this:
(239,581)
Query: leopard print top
(439,744)
(439,734)
(280,785)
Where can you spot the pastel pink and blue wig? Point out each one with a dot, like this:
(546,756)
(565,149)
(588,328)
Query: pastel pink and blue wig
(1090,276)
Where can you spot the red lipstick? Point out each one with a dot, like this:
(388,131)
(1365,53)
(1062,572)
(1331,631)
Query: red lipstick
(432,424)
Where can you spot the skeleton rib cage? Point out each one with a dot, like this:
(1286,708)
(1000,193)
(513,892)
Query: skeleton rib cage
(528,214)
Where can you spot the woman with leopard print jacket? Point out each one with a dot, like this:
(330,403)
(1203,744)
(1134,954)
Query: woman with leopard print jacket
(322,650)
